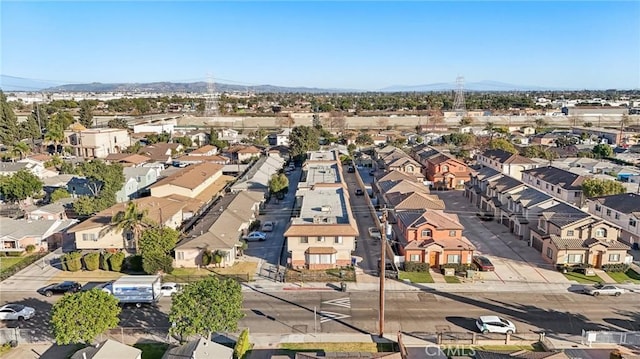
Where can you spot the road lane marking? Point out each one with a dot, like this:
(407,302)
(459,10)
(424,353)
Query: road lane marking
(329,316)
(340,302)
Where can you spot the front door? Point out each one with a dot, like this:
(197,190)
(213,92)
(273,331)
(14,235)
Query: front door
(598,263)
(433,259)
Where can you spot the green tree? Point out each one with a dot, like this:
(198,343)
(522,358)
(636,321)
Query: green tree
(116,260)
(158,240)
(466,121)
(20,149)
(302,140)
(594,187)
(152,264)
(92,261)
(80,317)
(30,130)
(364,139)
(118,122)
(131,220)
(209,305)
(9,131)
(86,114)
(20,186)
(242,345)
(104,181)
(184,141)
(602,150)
(278,183)
(54,135)
(59,194)
(501,143)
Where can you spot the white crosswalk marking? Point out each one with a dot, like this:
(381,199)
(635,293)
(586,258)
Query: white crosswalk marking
(340,302)
(328,316)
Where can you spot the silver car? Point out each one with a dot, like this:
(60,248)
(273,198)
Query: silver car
(494,324)
(16,312)
(603,289)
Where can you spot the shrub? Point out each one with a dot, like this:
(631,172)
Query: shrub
(206,258)
(74,261)
(92,261)
(242,345)
(617,267)
(104,260)
(416,267)
(134,263)
(153,264)
(255,225)
(30,248)
(115,261)
(459,267)
(14,254)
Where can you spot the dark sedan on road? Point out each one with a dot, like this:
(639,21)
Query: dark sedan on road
(483,263)
(60,288)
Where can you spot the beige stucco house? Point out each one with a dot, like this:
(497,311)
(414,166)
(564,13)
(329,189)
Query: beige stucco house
(96,142)
(189,182)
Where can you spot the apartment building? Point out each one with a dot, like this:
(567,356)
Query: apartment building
(556,182)
(508,163)
(96,142)
(622,210)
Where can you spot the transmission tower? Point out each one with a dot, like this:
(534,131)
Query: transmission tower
(211,104)
(458,103)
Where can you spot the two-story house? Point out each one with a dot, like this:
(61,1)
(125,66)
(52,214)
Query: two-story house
(510,164)
(476,187)
(162,152)
(191,181)
(446,172)
(559,183)
(432,236)
(622,210)
(96,142)
(493,198)
(523,208)
(565,235)
(136,180)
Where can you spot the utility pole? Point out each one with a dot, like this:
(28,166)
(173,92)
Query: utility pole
(383,265)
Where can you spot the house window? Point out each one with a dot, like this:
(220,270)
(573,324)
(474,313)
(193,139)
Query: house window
(538,182)
(553,188)
(445,168)
(453,258)
(608,213)
(576,194)
(426,233)
(542,225)
(304,239)
(89,237)
(601,232)
(614,257)
(115,139)
(549,253)
(320,239)
(598,208)
(546,185)
(574,258)
(338,240)
(616,215)
(632,222)
(570,233)
(558,191)
(452,233)
(415,258)
(180,255)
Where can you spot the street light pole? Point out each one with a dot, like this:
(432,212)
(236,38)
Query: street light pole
(383,265)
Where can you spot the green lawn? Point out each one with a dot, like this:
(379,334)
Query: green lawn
(624,277)
(152,350)
(451,279)
(8,262)
(416,277)
(581,278)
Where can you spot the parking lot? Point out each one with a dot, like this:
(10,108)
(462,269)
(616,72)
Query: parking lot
(513,259)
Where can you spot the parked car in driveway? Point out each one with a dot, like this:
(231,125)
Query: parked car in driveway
(268,226)
(374,233)
(255,236)
(169,288)
(494,324)
(483,264)
(16,312)
(603,289)
(60,288)
(359,192)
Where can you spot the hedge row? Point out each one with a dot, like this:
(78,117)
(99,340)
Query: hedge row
(619,267)
(27,261)
(75,261)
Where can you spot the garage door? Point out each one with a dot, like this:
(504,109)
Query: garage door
(536,243)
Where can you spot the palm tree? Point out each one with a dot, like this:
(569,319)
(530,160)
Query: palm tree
(54,135)
(20,148)
(131,220)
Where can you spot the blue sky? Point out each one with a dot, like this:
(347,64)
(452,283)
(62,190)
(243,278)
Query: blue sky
(335,44)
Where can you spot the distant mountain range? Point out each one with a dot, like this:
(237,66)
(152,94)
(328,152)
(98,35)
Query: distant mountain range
(11,83)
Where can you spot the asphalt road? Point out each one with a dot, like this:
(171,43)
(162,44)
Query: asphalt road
(412,312)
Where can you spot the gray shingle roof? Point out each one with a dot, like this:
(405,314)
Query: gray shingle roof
(563,214)
(623,203)
(557,176)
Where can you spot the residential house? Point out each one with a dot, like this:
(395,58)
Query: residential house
(476,187)
(230,135)
(434,237)
(412,201)
(136,181)
(495,195)
(49,211)
(97,232)
(508,163)
(522,210)
(80,186)
(247,153)
(406,164)
(566,235)
(206,150)
(186,160)
(623,210)
(96,142)
(127,159)
(397,176)
(379,140)
(232,220)
(162,152)
(157,127)
(446,172)
(107,350)
(198,137)
(281,138)
(559,183)
(258,176)
(189,182)
(200,349)
(544,139)
(44,234)
(11,168)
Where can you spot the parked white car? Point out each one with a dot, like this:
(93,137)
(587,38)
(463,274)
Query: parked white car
(374,233)
(169,288)
(255,236)
(268,226)
(603,289)
(494,324)
(16,312)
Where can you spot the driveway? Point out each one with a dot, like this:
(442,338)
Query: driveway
(513,259)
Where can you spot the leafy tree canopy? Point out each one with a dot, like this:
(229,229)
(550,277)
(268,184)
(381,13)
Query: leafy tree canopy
(158,240)
(501,143)
(59,194)
(81,317)
(278,183)
(302,140)
(19,186)
(594,187)
(602,150)
(209,305)
(9,131)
